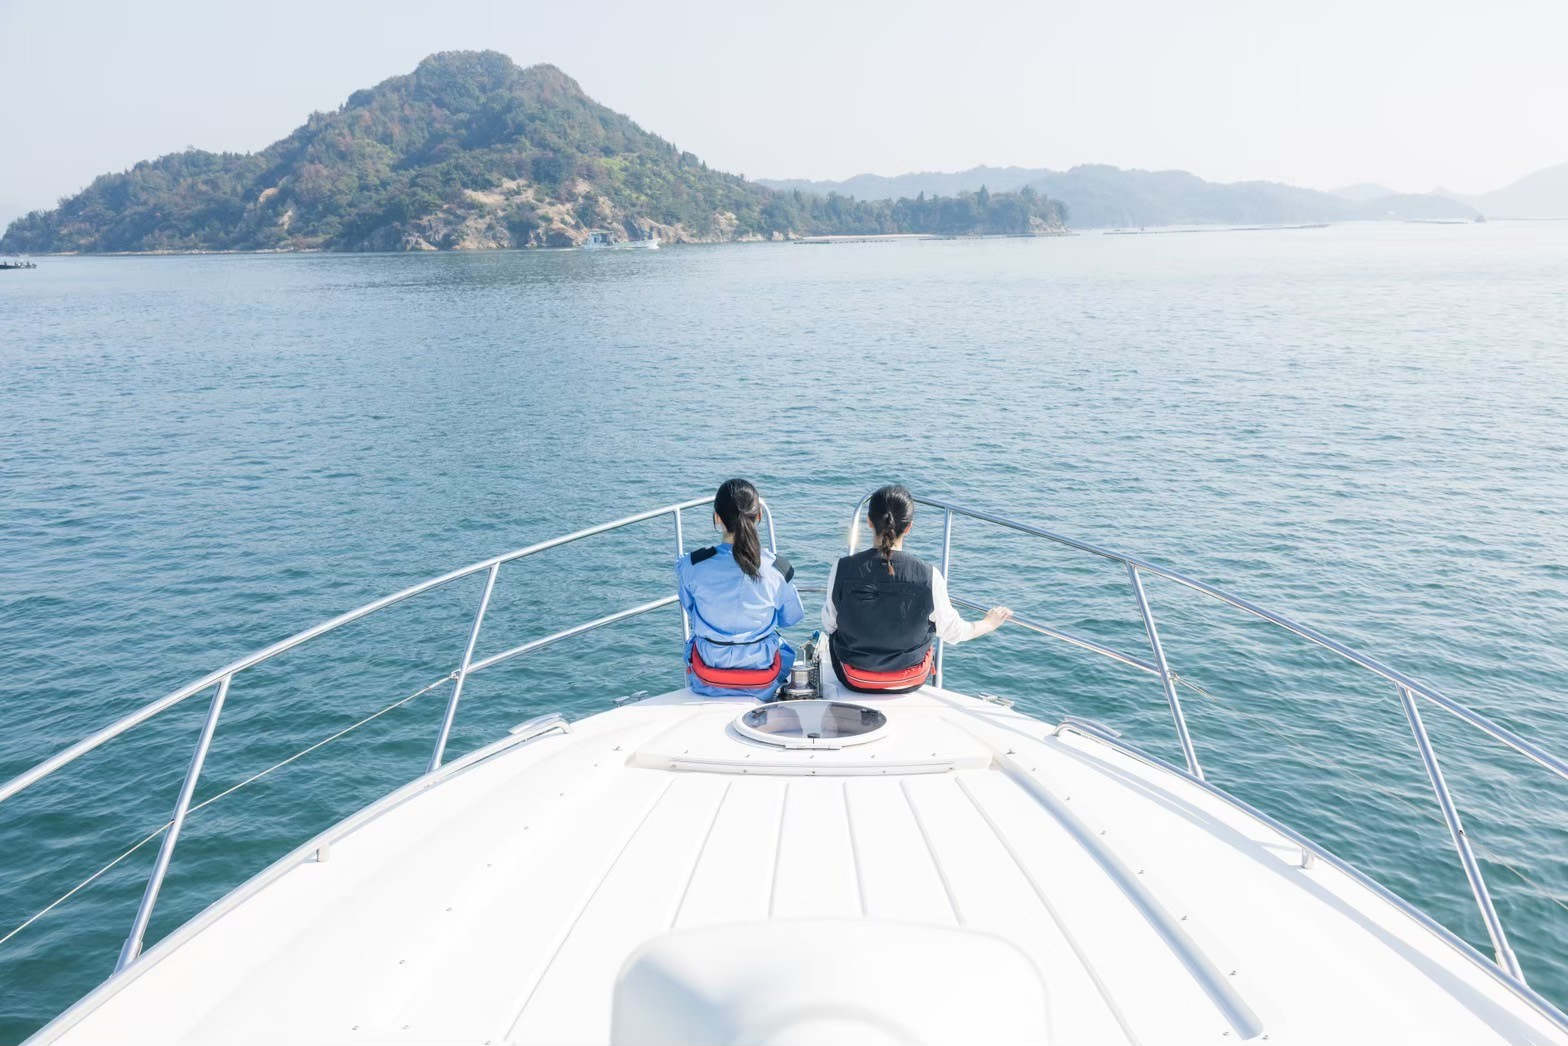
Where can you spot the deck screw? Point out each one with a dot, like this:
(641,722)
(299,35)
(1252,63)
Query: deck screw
(402,962)
(1233,973)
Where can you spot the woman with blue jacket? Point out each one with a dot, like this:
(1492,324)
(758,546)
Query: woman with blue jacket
(738,597)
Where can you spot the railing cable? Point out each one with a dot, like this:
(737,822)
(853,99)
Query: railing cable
(1546,893)
(73,891)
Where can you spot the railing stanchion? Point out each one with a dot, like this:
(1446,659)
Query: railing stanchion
(182,806)
(1483,899)
(462,671)
(947,559)
(854,523)
(773,540)
(1166,682)
(680,550)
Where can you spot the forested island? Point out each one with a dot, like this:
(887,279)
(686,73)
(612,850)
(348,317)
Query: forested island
(471,151)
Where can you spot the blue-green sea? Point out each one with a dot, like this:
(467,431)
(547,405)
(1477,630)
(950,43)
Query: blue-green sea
(1364,427)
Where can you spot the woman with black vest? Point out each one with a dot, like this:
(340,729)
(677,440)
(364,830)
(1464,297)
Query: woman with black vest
(884,606)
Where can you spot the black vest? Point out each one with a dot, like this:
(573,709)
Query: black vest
(884,620)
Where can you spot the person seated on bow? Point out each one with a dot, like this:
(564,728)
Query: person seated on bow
(738,596)
(885,605)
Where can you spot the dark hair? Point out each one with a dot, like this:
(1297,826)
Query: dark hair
(739,507)
(892,509)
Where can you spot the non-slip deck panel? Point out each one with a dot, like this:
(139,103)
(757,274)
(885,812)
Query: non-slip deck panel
(500,905)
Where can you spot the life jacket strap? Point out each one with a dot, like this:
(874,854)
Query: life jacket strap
(739,642)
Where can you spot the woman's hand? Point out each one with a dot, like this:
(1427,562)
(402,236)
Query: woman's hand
(996,617)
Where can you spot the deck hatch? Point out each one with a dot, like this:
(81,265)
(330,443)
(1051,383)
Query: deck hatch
(812,724)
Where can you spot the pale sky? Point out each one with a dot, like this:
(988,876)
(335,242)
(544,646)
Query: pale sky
(1469,95)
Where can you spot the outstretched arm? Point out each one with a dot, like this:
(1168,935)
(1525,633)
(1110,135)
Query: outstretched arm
(950,625)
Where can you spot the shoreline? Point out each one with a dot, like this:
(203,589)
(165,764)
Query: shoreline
(1166,230)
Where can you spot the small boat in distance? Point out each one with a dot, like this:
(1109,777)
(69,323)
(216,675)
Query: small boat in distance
(602,241)
(17,263)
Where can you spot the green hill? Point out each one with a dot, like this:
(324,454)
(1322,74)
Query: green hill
(470,151)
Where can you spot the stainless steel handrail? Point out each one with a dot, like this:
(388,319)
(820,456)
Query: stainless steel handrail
(1065,636)
(1407,688)
(1311,852)
(1500,733)
(223,677)
(147,711)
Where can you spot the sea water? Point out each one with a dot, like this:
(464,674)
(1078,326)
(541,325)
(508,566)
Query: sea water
(1363,427)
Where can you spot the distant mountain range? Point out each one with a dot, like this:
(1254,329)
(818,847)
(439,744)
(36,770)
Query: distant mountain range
(1543,194)
(1098,196)
(470,151)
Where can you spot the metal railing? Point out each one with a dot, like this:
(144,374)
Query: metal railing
(1406,688)
(1156,664)
(467,666)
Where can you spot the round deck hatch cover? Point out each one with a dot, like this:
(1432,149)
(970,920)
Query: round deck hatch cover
(811,724)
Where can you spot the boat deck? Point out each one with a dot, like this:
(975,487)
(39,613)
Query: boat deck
(502,905)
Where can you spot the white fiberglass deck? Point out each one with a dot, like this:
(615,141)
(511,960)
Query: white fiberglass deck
(1060,890)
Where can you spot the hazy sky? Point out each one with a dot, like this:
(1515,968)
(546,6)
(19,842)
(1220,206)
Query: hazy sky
(1469,95)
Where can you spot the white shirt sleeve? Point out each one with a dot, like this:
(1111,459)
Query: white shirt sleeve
(951,627)
(829,611)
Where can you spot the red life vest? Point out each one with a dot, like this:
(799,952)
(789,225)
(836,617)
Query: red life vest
(736,678)
(903,679)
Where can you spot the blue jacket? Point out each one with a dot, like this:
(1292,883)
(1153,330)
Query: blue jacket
(735,619)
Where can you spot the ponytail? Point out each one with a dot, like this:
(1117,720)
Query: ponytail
(739,506)
(891,511)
